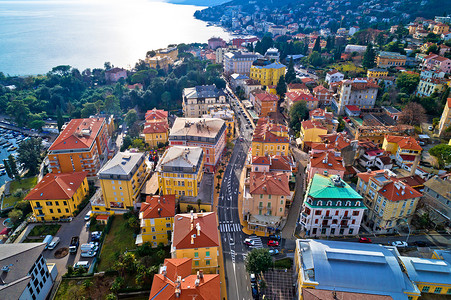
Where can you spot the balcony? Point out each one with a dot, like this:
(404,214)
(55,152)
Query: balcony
(304,214)
(346,218)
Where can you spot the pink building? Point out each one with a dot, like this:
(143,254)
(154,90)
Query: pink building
(216,42)
(437,62)
(115,74)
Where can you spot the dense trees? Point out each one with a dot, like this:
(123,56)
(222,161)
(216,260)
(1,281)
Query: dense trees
(258,261)
(298,113)
(369,57)
(442,153)
(407,83)
(412,114)
(30,155)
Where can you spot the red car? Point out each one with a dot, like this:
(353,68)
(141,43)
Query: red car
(272,243)
(365,240)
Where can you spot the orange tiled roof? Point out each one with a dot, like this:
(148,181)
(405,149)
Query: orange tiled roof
(266,97)
(276,162)
(449,102)
(156,114)
(397,192)
(296,96)
(178,283)
(265,131)
(321,89)
(338,140)
(158,207)
(271,183)
(326,160)
(78,134)
(404,142)
(185,228)
(57,186)
(309,124)
(297,86)
(157,127)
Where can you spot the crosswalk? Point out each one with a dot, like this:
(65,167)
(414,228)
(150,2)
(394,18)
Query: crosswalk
(257,241)
(229,227)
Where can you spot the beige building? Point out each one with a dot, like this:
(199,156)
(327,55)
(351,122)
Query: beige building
(198,100)
(239,62)
(361,92)
(265,200)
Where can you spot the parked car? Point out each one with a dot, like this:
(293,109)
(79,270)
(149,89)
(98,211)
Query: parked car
(255,295)
(47,240)
(275,237)
(88,215)
(95,236)
(273,252)
(421,244)
(272,243)
(249,242)
(88,253)
(53,243)
(430,128)
(81,264)
(365,240)
(400,244)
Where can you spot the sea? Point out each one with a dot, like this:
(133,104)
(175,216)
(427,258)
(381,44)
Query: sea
(37,35)
(8,139)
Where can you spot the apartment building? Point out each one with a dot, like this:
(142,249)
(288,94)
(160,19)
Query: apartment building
(377,73)
(445,120)
(25,273)
(264,102)
(390,201)
(156,133)
(361,92)
(267,73)
(387,59)
(207,133)
(227,115)
(156,116)
(265,200)
(156,218)
(121,180)
(270,139)
(323,95)
(198,100)
(180,171)
(326,163)
(57,196)
(437,62)
(175,280)
(311,132)
(310,101)
(239,62)
(334,76)
(81,146)
(196,236)
(404,149)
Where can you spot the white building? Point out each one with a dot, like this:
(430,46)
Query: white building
(198,100)
(331,208)
(334,76)
(25,275)
(239,62)
(361,92)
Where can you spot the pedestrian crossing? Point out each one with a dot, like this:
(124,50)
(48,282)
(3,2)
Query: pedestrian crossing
(229,227)
(257,241)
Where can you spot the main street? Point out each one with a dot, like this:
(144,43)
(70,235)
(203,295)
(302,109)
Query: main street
(237,279)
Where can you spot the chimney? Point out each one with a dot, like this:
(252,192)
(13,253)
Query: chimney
(201,274)
(198,229)
(159,211)
(413,169)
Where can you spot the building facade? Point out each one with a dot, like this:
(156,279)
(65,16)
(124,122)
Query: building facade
(267,73)
(264,102)
(334,76)
(197,101)
(360,92)
(390,59)
(239,62)
(270,139)
(57,196)
(180,171)
(445,120)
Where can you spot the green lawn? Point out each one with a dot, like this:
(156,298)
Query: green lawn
(89,288)
(347,67)
(119,239)
(44,229)
(24,184)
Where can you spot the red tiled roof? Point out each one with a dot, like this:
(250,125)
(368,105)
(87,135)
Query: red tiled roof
(271,183)
(158,207)
(185,229)
(404,142)
(312,124)
(296,96)
(166,286)
(395,192)
(320,89)
(156,127)
(266,97)
(328,161)
(352,108)
(156,114)
(275,162)
(332,72)
(102,217)
(265,131)
(57,186)
(78,134)
(297,86)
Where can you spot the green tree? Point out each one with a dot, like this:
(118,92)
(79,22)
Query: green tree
(433,49)
(36,124)
(112,105)
(442,153)
(138,143)
(290,76)
(12,164)
(281,87)
(59,118)
(298,113)
(315,59)
(89,109)
(18,110)
(15,215)
(258,261)
(317,45)
(131,117)
(368,57)
(30,155)
(126,142)
(407,83)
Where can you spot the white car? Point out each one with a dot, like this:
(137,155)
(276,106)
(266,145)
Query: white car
(249,242)
(88,254)
(430,128)
(88,215)
(400,244)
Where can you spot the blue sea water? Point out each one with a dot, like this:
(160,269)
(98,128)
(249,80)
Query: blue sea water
(36,35)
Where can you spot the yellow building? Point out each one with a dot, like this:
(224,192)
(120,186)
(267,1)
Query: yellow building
(311,132)
(431,276)
(163,58)
(196,236)
(270,139)
(156,219)
(390,201)
(440,28)
(377,73)
(445,120)
(121,181)
(156,133)
(180,171)
(390,59)
(267,73)
(405,149)
(57,196)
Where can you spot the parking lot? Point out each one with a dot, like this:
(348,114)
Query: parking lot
(77,227)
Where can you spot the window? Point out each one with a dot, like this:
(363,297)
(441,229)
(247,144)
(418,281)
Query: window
(48,203)
(64,203)
(51,211)
(317,213)
(425,289)
(355,213)
(383,203)
(57,203)
(316,221)
(207,254)
(196,263)
(67,210)
(59,210)
(281,202)
(351,231)
(168,225)
(319,203)
(449,292)
(438,290)
(348,203)
(329,203)
(196,254)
